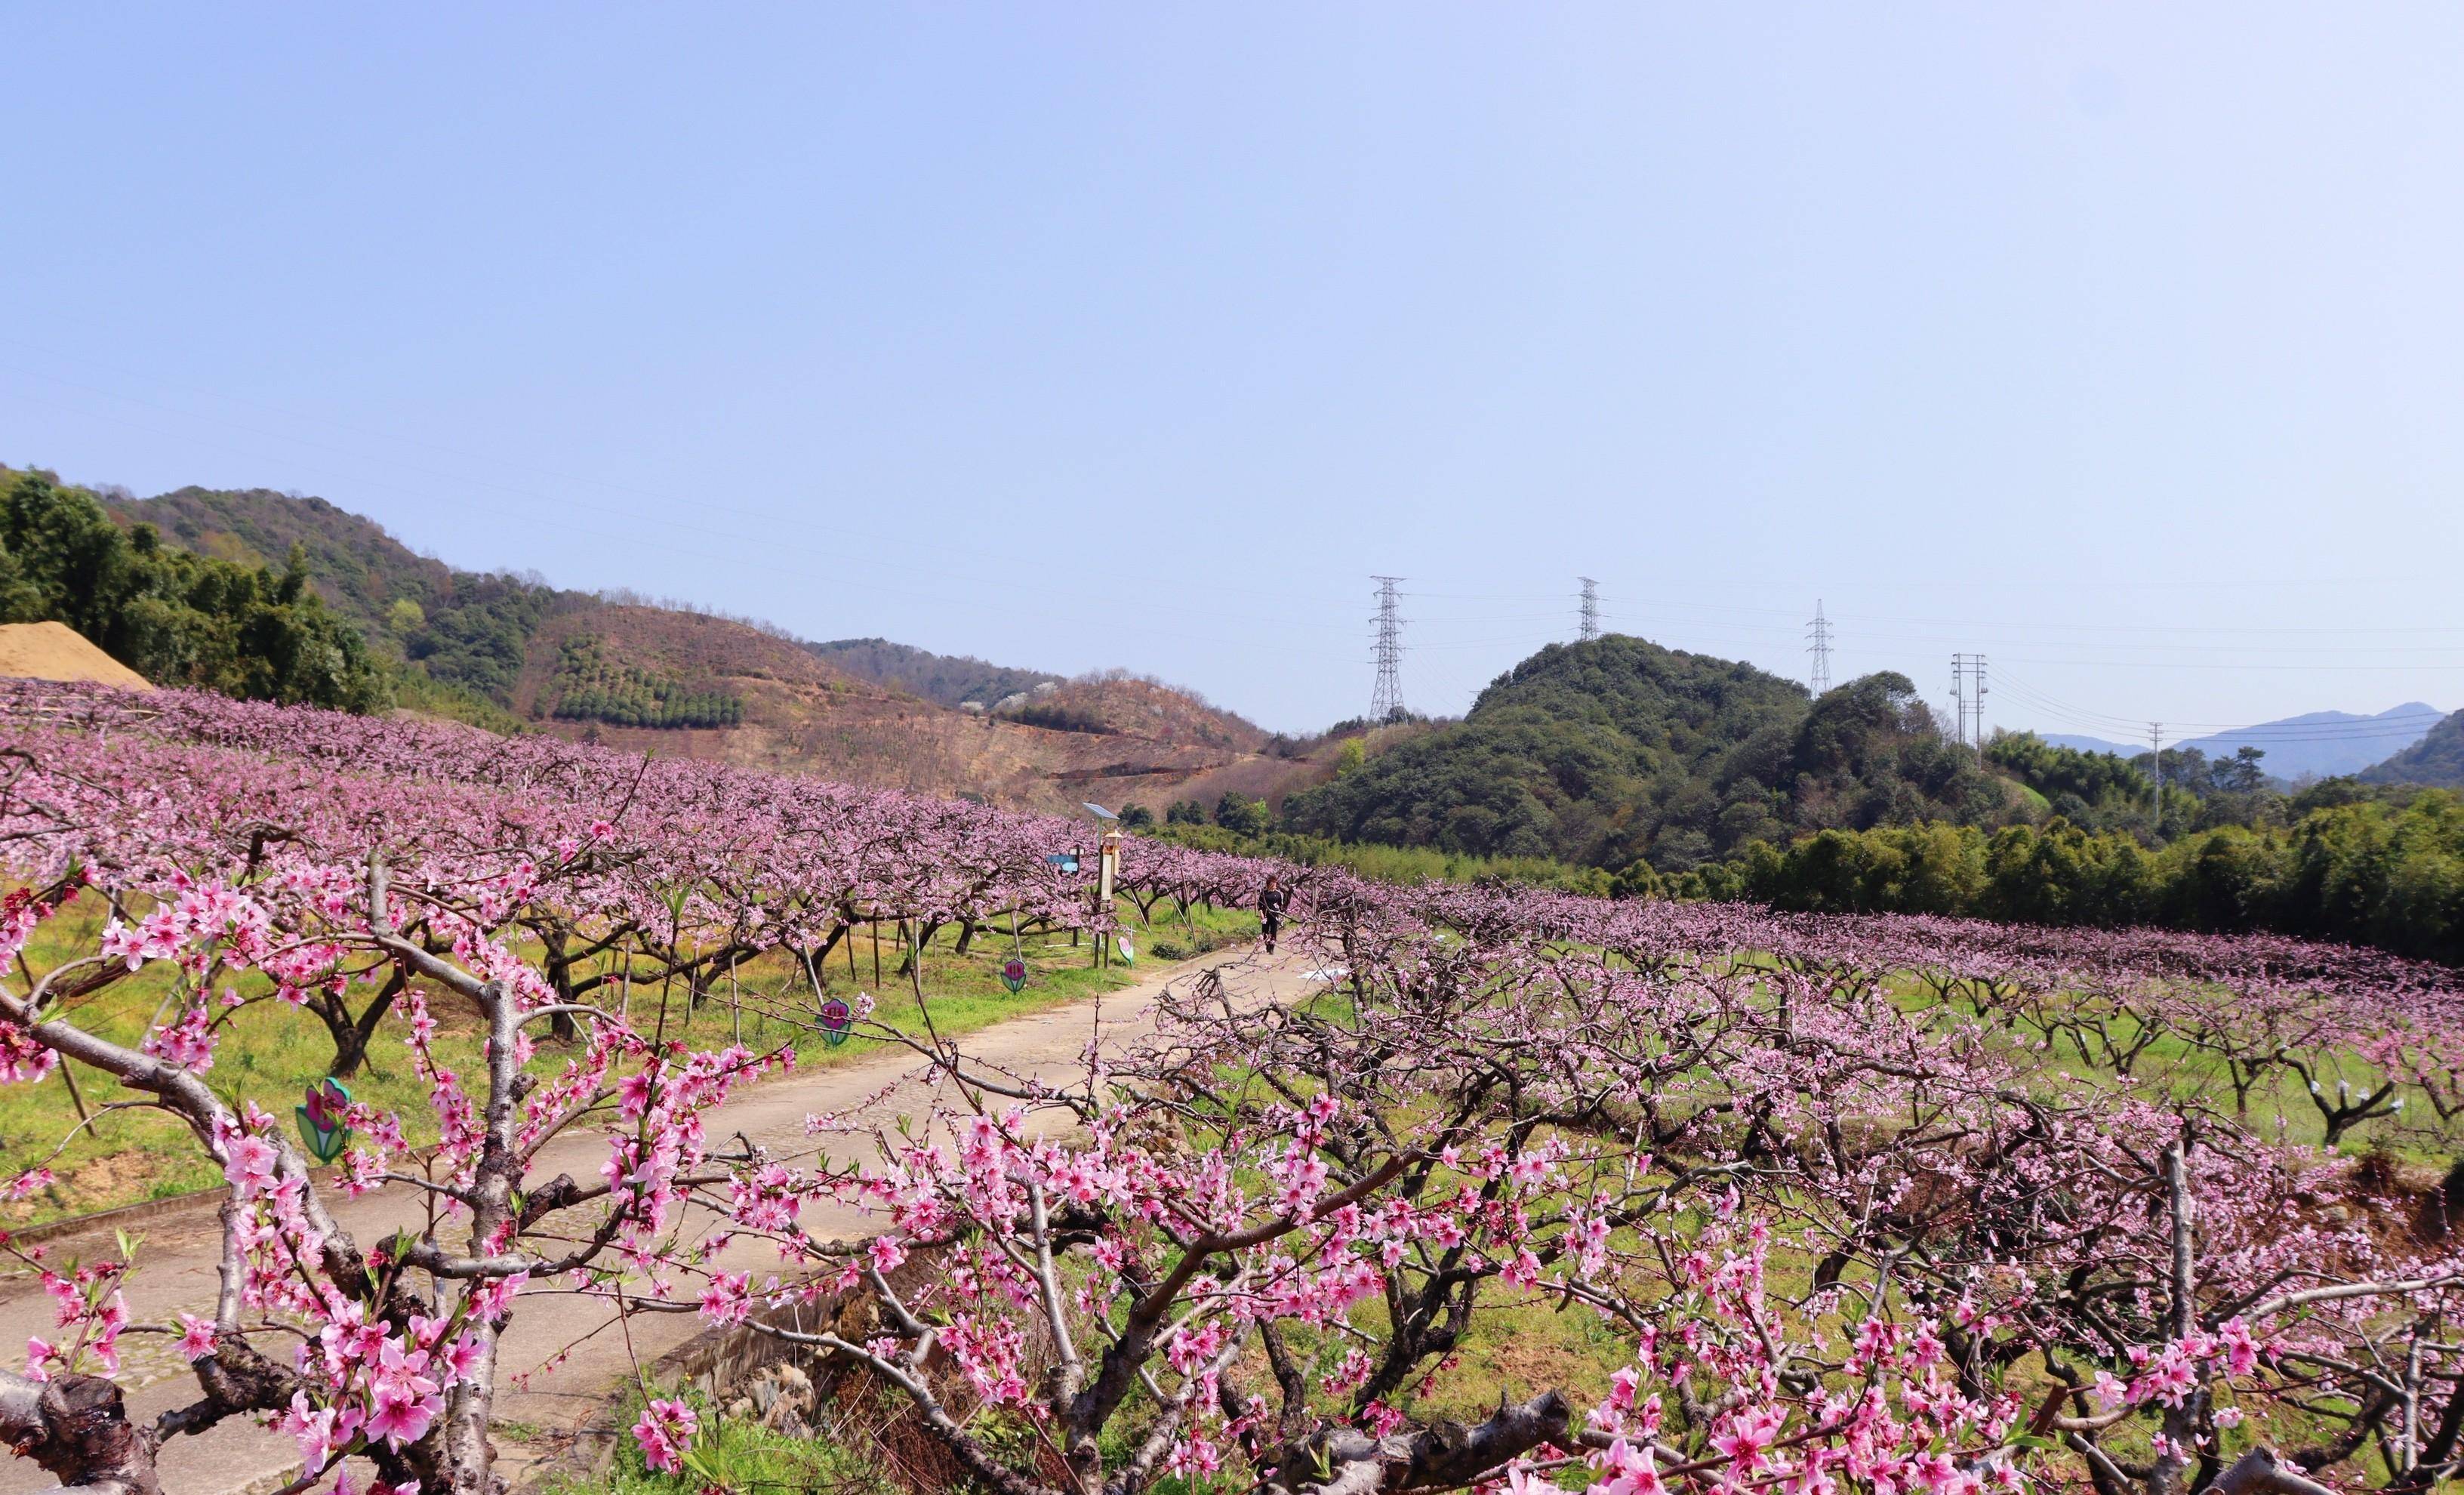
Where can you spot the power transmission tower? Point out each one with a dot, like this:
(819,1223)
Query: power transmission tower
(1959,698)
(1977,695)
(1591,615)
(1387,698)
(1819,633)
(1968,699)
(2156,770)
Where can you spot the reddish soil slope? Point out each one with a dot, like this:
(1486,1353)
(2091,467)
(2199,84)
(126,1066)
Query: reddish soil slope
(802,716)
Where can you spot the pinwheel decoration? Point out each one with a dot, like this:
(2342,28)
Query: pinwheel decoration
(1013,973)
(324,1120)
(836,1020)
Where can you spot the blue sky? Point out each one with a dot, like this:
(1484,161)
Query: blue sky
(2121,343)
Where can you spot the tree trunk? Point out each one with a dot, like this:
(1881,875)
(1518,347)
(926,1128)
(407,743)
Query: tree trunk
(352,1034)
(77,1427)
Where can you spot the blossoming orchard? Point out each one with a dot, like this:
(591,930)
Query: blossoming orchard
(1840,1204)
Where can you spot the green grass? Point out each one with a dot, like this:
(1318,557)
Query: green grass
(1402,866)
(270,1054)
(736,1455)
(2277,1106)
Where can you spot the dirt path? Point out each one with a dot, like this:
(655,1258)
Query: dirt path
(176,1267)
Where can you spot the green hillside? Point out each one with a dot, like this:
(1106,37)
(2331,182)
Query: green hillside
(458,638)
(1616,749)
(2436,759)
(358,567)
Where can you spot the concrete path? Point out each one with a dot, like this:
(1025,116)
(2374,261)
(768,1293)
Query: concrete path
(176,1267)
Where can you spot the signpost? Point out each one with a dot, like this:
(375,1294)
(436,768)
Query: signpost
(1107,871)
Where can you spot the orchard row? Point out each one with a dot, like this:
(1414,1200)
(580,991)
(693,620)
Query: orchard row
(1877,1205)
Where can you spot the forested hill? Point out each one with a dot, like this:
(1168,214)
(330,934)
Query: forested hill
(2436,759)
(1616,749)
(359,568)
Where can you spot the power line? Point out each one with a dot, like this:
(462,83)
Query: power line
(1590,620)
(1819,632)
(1386,699)
(2362,728)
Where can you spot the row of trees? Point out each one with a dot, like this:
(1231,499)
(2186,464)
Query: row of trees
(1243,816)
(2371,872)
(173,616)
(2338,859)
(2104,791)
(587,686)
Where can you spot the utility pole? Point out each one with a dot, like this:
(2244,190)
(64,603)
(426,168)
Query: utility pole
(1387,698)
(2156,772)
(1819,633)
(1590,614)
(1967,696)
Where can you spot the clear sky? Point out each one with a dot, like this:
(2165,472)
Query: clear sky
(2122,343)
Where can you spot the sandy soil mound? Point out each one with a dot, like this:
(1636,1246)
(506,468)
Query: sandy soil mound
(57,651)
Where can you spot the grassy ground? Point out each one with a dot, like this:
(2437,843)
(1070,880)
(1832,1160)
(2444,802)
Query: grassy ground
(272,1053)
(734,1455)
(2277,1106)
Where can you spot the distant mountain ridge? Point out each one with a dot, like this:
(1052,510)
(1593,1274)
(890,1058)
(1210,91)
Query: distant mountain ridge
(2325,744)
(514,651)
(1596,753)
(2314,744)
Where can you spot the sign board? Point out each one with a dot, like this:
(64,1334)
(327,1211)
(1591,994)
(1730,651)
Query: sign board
(324,1119)
(1013,973)
(836,1020)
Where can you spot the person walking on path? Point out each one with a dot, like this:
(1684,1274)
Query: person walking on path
(1271,900)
